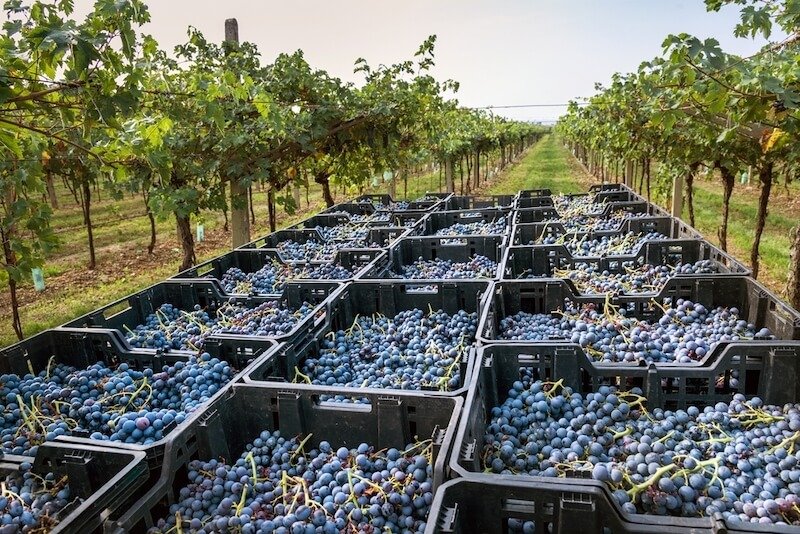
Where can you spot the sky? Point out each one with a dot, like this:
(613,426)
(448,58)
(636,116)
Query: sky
(503,53)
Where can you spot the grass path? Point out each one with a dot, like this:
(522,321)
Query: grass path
(547,165)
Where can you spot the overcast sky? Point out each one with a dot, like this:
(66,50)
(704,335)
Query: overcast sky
(501,52)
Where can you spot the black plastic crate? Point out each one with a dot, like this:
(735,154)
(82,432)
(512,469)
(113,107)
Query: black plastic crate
(366,298)
(185,294)
(532,234)
(548,212)
(444,219)
(386,202)
(377,237)
(232,422)
(436,194)
(533,202)
(479,202)
(352,208)
(404,219)
(604,196)
(533,198)
(756,304)
(530,193)
(357,261)
(596,188)
(543,260)
(272,240)
(375,198)
(324,219)
(556,506)
(101,482)
(457,249)
(82,347)
(773,376)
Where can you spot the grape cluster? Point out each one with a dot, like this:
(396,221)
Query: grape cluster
(477,267)
(413,350)
(686,332)
(313,250)
(400,205)
(625,244)
(272,278)
(576,206)
(32,503)
(116,404)
(377,217)
(737,459)
(282,485)
(172,328)
(583,223)
(494,227)
(590,279)
(345,231)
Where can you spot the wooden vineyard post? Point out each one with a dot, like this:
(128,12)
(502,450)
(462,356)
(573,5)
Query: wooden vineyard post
(793,282)
(240,221)
(629,173)
(448,173)
(677,196)
(296,196)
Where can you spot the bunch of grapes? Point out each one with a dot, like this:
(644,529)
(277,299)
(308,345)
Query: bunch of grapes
(345,231)
(172,328)
(494,227)
(477,267)
(272,278)
(313,250)
(413,350)
(110,404)
(625,244)
(737,459)
(282,484)
(647,278)
(32,503)
(685,333)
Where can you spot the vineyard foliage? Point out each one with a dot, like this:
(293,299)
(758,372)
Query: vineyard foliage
(697,108)
(95,102)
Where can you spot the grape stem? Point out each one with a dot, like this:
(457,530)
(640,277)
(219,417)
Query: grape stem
(297,374)
(634,492)
(297,451)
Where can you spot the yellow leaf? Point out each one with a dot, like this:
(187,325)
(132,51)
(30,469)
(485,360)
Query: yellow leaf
(774,139)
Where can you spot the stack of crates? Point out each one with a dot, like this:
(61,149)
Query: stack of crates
(553,242)
(486,258)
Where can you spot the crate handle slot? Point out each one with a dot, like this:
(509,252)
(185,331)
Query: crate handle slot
(519,508)
(422,289)
(341,406)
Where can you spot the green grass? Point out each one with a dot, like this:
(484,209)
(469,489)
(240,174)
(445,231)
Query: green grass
(782,216)
(547,165)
